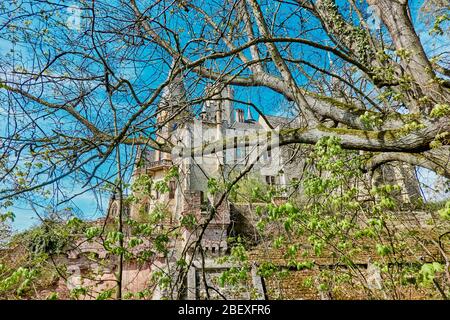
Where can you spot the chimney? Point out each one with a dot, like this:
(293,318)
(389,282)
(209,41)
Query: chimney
(239,115)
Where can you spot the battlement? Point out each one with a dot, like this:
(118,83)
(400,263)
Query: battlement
(214,239)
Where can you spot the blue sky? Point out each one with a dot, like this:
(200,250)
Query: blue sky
(86,205)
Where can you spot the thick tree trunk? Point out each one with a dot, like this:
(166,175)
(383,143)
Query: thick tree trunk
(435,160)
(395,15)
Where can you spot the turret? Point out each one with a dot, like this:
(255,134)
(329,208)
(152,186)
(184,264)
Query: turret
(249,115)
(173,101)
(218,107)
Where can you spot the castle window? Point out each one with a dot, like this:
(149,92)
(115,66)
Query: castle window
(270,180)
(235,147)
(171,189)
(203,202)
(239,153)
(202,197)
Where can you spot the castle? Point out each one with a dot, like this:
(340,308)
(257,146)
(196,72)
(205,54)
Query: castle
(188,193)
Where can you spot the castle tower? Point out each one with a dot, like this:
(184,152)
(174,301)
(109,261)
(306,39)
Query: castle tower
(172,112)
(403,175)
(173,104)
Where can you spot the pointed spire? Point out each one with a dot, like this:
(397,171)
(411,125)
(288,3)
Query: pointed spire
(174,92)
(249,114)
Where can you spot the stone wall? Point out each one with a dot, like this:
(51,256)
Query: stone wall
(214,239)
(197,276)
